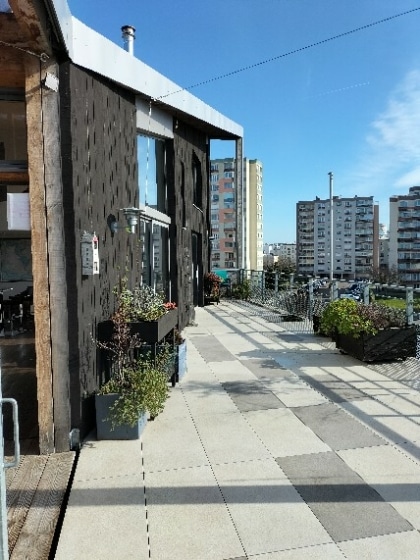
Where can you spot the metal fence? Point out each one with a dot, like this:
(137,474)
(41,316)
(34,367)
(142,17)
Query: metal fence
(301,304)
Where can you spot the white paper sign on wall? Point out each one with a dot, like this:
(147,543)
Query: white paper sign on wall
(18,214)
(90,254)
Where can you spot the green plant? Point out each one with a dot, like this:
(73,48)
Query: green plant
(143,303)
(137,375)
(242,290)
(212,284)
(346,316)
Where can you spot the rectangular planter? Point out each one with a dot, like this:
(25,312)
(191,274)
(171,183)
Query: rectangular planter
(104,427)
(154,331)
(181,360)
(148,331)
(390,344)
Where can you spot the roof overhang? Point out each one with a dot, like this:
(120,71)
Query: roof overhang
(92,51)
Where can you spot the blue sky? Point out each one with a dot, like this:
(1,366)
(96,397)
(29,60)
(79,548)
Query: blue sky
(349,105)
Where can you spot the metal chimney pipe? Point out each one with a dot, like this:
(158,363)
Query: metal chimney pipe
(128,32)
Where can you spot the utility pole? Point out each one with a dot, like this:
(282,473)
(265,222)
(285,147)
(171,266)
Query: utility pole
(331,228)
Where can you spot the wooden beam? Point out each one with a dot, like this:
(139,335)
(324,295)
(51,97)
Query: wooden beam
(39,245)
(14,178)
(56,263)
(31,18)
(12,70)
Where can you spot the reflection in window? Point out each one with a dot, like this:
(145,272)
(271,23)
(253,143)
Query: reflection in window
(151,155)
(197,182)
(13,150)
(154,248)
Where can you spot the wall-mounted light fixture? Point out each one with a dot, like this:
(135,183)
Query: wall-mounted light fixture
(132,217)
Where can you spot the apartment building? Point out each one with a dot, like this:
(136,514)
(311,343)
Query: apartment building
(404,236)
(355,237)
(283,250)
(236,215)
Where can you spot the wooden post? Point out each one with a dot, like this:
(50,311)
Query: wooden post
(48,258)
(39,250)
(56,262)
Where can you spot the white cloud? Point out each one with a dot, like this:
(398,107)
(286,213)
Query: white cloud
(391,156)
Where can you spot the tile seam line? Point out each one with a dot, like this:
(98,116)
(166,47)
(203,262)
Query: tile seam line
(215,477)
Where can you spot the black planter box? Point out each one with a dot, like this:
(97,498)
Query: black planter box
(154,331)
(389,344)
(148,331)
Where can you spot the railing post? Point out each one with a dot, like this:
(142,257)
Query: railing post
(310,298)
(366,294)
(262,286)
(333,290)
(409,309)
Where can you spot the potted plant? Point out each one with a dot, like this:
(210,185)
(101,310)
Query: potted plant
(136,384)
(180,353)
(149,315)
(212,287)
(369,332)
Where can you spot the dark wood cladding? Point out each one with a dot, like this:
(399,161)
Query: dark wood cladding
(99,161)
(189,144)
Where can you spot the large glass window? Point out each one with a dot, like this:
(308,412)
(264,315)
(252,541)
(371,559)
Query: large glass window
(151,155)
(197,182)
(13,151)
(154,248)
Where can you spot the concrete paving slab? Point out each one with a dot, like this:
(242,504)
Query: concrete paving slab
(294,392)
(209,399)
(175,404)
(337,428)
(112,499)
(172,442)
(389,423)
(229,438)
(401,546)
(345,505)
(411,449)
(284,434)
(334,389)
(405,403)
(265,367)
(231,371)
(393,475)
(328,551)
(268,513)
(251,395)
(188,517)
(211,349)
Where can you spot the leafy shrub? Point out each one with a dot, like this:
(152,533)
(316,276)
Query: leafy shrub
(346,316)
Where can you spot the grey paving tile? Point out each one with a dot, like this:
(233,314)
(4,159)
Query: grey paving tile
(345,505)
(265,367)
(337,428)
(268,513)
(251,395)
(334,389)
(401,546)
(211,349)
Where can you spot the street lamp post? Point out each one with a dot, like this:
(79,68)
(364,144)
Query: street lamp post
(331,228)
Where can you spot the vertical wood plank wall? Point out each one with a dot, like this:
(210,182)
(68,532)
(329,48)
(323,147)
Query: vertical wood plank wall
(99,160)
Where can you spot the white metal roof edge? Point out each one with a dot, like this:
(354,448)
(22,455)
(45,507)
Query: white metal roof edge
(91,50)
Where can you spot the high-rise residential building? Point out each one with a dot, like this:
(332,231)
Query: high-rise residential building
(236,215)
(404,236)
(355,237)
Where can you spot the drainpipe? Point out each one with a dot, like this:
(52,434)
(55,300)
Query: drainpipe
(128,34)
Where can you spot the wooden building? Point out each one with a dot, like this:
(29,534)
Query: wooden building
(88,133)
